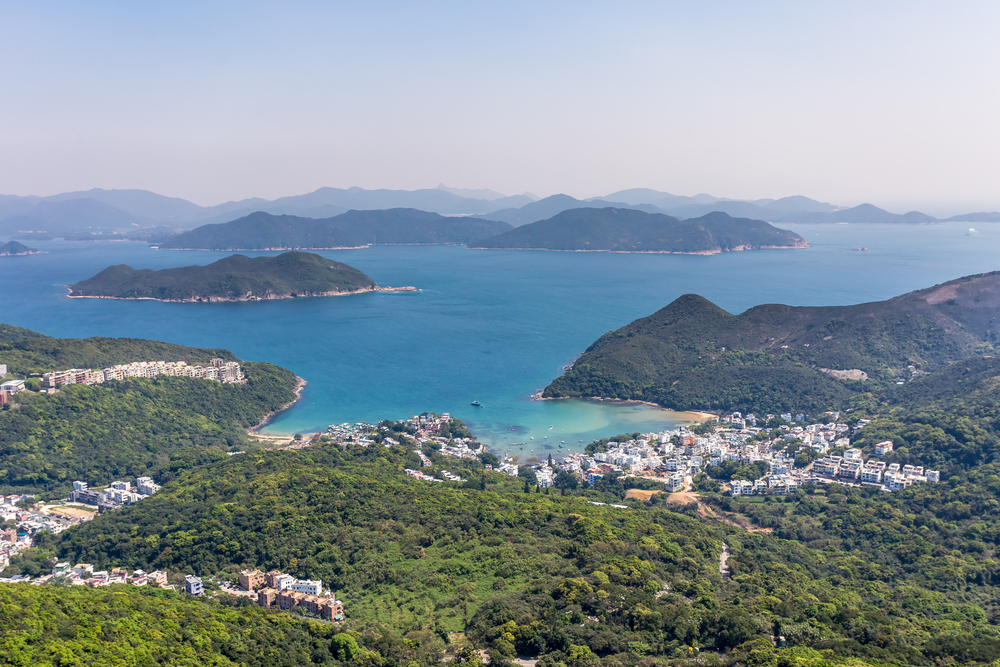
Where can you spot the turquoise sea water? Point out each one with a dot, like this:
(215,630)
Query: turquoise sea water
(492,326)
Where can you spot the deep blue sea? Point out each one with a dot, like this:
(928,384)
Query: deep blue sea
(493,326)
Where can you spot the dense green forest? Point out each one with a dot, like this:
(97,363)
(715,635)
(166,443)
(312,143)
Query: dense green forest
(129,428)
(542,573)
(264,231)
(124,625)
(236,277)
(692,355)
(126,428)
(10,333)
(630,230)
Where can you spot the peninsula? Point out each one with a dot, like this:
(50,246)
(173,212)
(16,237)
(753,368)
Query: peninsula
(629,230)
(693,355)
(13,248)
(234,278)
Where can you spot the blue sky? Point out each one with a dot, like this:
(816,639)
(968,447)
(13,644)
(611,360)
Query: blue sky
(889,102)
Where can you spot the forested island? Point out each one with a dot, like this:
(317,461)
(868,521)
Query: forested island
(234,278)
(692,355)
(354,229)
(630,230)
(13,248)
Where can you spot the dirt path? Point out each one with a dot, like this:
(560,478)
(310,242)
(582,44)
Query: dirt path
(724,562)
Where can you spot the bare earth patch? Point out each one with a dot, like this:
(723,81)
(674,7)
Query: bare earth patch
(640,494)
(72,512)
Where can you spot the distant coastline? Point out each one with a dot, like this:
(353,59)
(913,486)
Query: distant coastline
(717,251)
(155,246)
(268,297)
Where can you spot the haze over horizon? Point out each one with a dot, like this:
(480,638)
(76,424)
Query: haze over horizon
(845,104)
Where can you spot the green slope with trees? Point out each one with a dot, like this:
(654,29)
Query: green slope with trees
(123,428)
(537,573)
(234,278)
(10,333)
(692,355)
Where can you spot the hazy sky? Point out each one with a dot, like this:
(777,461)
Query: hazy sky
(896,103)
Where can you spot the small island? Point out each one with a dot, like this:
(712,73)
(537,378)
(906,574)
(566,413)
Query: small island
(14,249)
(234,278)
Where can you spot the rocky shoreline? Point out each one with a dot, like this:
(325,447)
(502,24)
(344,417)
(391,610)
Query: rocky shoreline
(266,297)
(300,386)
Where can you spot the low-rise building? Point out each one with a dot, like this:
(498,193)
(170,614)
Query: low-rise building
(193,585)
(308,586)
(12,387)
(883,448)
(251,580)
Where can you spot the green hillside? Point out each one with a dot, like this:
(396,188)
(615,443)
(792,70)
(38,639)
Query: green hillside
(230,279)
(10,333)
(39,353)
(534,573)
(629,230)
(693,355)
(264,231)
(127,428)
(125,625)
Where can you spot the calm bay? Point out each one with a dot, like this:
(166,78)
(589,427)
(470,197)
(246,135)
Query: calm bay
(488,326)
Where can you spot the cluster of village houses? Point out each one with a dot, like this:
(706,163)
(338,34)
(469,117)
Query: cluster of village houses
(675,456)
(279,590)
(219,370)
(82,574)
(222,371)
(55,518)
(118,494)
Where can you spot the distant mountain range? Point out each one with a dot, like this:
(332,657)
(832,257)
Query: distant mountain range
(97,213)
(628,230)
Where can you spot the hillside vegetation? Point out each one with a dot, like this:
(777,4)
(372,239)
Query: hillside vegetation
(693,355)
(540,574)
(123,428)
(234,278)
(629,230)
(38,353)
(264,231)
(125,625)
(9,333)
